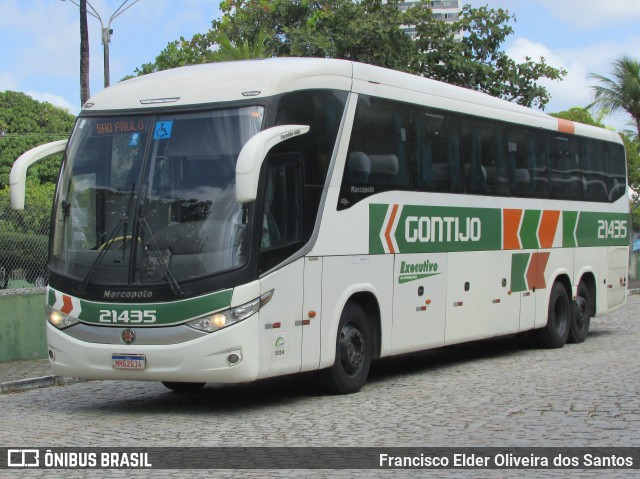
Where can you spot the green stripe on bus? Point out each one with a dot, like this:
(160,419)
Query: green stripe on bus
(377,214)
(519,262)
(428,229)
(529,229)
(603,229)
(569,220)
(165,314)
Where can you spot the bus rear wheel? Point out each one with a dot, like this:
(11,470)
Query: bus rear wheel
(353,353)
(559,318)
(582,317)
(183,387)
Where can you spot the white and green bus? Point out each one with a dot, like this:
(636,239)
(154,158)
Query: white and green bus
(229,222)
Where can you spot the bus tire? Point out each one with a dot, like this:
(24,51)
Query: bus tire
(183,387)
(559,317)
(354,351)
(582,318)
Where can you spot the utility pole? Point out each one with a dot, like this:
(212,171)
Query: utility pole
(85,91)
(106,31)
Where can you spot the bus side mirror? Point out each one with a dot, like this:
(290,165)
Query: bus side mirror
(253,154)
(18,176)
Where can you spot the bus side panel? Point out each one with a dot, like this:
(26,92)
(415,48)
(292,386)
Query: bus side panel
(419,301)
(592,260)
(311,314)
(280,329)
(345,276)
(617,274)
(478,301)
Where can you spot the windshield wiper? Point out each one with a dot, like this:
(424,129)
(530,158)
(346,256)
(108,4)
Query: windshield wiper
(124,220)
(157,253)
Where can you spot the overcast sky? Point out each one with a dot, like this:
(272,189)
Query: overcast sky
(40,42)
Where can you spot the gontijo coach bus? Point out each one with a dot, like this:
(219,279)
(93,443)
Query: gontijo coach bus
(228,222)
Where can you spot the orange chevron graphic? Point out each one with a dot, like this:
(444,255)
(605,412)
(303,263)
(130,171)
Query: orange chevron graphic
(547,228)
(510,238)
(387,232)
(67,304)
(535,271)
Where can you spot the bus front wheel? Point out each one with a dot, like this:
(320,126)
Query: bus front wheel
(559,318)
(353,352)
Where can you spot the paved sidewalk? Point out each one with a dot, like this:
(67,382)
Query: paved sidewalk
(18,376)
(16,370)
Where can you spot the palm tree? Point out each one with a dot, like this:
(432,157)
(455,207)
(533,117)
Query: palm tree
(84,54)
(622,91)
(245,49)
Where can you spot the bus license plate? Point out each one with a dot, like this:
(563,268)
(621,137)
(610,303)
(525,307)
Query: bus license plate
(128,361)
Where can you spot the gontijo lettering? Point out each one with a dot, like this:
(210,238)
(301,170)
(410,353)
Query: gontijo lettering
(436,228)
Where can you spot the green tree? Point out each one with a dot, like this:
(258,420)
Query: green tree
(370,31)
(477,61)
(34,219)
(241,50)
(621,91)
(28,123)
(580,115)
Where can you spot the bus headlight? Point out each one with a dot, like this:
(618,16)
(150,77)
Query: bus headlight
(213,322)
(58,319)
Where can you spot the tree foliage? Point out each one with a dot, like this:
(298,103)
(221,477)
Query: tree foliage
(27,123)
(580,115)
(621,91)
(370,31)
(477,61)
(35,218)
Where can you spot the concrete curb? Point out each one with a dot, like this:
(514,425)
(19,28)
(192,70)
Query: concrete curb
(36,383)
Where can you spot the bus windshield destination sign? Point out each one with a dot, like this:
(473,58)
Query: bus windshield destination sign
(115,127)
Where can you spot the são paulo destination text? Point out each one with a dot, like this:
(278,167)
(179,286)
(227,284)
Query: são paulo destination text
(506,460)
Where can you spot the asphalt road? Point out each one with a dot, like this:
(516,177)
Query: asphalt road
(503,392)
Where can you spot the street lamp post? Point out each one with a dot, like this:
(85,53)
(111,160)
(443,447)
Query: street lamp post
(107,31)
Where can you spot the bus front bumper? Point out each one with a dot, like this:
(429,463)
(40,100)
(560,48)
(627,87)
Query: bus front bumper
(229,355)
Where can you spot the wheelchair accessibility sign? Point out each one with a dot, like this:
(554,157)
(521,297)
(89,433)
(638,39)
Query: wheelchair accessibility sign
(162,130)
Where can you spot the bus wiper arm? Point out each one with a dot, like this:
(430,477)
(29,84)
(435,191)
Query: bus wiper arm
(103,251)
(171,279)
(107,245)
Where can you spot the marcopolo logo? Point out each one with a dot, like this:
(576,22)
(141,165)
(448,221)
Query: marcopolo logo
(414,271)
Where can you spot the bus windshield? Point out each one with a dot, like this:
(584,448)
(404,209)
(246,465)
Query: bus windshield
(151,199)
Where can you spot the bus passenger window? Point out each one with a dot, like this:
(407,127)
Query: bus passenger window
(485,153)
(527,164)
(616,166)
(377,160)
(431,151)
(593,165)
(566,180)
